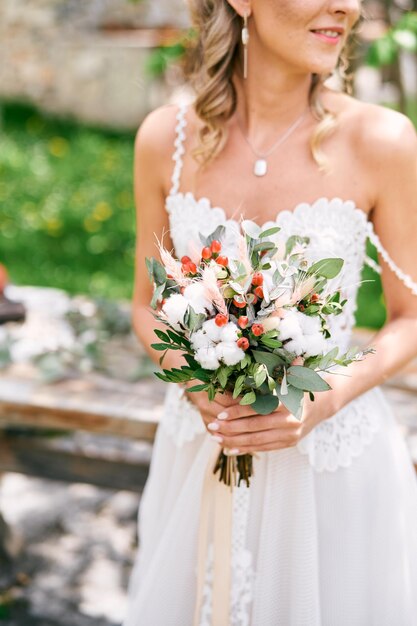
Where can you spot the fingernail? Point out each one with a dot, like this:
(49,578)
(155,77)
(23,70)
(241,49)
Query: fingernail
(230,451)
(223,415)
(213,426)
(217,438)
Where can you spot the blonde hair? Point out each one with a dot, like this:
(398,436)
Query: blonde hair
(210,64)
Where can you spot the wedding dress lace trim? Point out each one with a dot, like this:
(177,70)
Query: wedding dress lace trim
(243,574)
(336,441)
(179,151)
(404,278)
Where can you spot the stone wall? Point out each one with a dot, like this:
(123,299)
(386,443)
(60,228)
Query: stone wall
(85,58)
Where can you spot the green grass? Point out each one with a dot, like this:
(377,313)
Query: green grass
(66,206)
(67,212)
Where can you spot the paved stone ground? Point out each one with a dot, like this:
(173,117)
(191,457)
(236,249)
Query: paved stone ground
(78,543)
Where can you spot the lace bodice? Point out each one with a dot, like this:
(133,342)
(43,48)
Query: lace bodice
(335,227)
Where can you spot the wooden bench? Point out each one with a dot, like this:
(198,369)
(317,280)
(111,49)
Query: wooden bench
(93,404)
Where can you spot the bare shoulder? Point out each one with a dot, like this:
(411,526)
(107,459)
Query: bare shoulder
(158,127)
(373,128)
(385,135)
(154,142)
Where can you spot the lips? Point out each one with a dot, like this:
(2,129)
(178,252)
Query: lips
(335,29)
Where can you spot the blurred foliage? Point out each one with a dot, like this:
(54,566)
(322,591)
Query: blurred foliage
(66,204)
(401,36)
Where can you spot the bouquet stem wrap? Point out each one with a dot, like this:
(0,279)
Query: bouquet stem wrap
(216,506)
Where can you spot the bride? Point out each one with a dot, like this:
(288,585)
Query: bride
(326,535)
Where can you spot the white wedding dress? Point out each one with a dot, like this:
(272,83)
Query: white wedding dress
(326,535)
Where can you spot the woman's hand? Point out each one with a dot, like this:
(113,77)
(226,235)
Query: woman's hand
(223,406)
(243,431)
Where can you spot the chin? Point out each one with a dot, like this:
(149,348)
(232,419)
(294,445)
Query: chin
(322,68)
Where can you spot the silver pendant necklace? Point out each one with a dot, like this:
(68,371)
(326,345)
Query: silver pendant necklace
(260,167)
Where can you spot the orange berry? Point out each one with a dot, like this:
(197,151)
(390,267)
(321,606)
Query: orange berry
(259,292)
(257,279)
(221,319)
(206,253)
(243,343)
(222,260)
(257,329)
(185,259)
(215,246)
(239,304)
(315,297)
(243,321)
(189,268)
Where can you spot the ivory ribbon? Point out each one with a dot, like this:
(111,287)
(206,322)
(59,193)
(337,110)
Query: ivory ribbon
(216,507)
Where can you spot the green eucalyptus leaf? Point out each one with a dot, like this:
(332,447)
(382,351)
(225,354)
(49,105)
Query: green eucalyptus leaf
(328,268)
(240,380)
(251,229)
(269,232)
(292,400)
(248,398)
(306,379)
(267,358)
(265,404)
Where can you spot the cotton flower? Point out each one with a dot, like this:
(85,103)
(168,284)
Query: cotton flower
(199,339)
(195,294)
(229,332)
(302,334)
(229,353)
(214,345)
(175,308)
(207,358)
(212,331)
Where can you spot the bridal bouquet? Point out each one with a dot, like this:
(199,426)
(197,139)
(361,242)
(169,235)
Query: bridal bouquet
(256,325)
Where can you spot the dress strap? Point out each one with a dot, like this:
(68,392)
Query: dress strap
(179,148)
(404,278)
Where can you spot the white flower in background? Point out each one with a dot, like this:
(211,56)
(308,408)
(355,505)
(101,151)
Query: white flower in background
(303,332)
(196,296)
(229,353)
(207,357)
(175,308)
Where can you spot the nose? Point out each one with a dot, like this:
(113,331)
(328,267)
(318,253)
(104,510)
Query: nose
(346,7)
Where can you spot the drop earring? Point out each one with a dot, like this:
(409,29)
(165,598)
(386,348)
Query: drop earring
(245,40)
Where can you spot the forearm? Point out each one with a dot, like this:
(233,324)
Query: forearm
(143,324)
(395,346)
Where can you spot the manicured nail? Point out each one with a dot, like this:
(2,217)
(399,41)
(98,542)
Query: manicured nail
(213,426)
(217,438)
(223,415)
(230,451)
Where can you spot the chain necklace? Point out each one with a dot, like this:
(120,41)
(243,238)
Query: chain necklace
(260,167)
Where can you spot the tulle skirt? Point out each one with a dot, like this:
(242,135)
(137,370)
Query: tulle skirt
(313,544)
